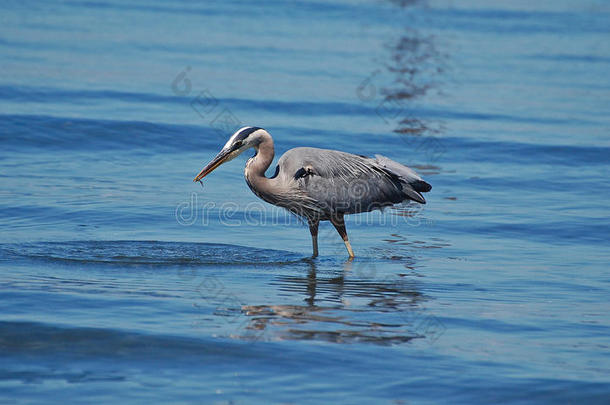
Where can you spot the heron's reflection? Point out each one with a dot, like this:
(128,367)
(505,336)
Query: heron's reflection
(342,305)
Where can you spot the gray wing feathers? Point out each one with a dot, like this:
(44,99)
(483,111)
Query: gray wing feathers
(336,181)
(403,171)
(412,184)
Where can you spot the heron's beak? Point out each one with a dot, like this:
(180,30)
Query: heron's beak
(222,157)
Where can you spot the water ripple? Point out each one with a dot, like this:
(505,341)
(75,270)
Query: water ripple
(151,253)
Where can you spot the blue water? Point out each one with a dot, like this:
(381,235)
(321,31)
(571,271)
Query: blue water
(122,280)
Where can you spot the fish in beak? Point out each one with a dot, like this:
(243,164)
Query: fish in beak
(237,144)
(223,156)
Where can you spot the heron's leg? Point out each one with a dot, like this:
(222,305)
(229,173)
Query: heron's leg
(339,224)
(313,228)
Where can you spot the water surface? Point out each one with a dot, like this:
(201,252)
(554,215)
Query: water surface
(123,281)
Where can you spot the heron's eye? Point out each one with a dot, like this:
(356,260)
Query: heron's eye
(237,144)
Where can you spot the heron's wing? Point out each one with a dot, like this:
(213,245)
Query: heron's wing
(412,184)
(342,182)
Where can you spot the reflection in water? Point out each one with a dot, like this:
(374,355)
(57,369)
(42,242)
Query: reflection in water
(405,3)
(414,64)
(427,169)
(343,308)
(433,243)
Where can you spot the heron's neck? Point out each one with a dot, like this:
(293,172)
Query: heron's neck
(258,165)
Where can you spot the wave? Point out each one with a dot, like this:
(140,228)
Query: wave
(26,94)
(148,253)
(506,21)
(27,132)
(33,338)
(321,9)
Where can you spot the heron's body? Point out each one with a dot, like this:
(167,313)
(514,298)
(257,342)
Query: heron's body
(321,184)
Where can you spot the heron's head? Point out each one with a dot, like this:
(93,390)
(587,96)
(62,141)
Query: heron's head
(243,139)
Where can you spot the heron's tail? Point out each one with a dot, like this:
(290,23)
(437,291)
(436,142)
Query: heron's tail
(412,185)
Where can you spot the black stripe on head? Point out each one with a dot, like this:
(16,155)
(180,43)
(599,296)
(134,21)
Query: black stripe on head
(243,134)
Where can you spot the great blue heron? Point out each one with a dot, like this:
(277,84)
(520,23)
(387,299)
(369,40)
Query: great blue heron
(320,184)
